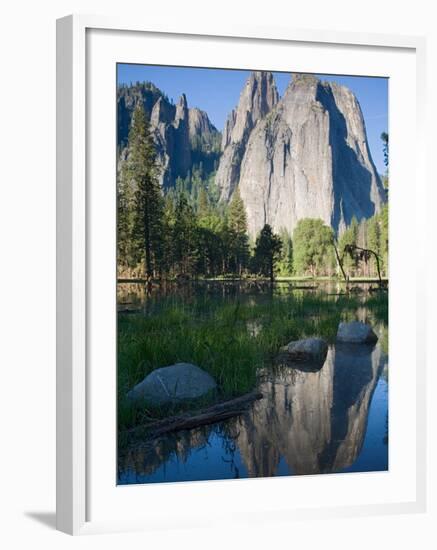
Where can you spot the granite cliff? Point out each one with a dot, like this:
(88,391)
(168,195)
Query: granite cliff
(302,156)
(183,136)
(258,97)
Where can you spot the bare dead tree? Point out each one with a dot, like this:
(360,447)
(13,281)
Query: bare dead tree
(362,254)
(340,261)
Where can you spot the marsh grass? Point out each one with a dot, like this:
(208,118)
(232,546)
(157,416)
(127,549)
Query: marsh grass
(216,333)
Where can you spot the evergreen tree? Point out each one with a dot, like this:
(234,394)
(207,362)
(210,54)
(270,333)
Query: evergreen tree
(184,238)
(125,256)
(169,222)
(225,235)
(237,221)
(141,201)
(285,265)
(202,203)
(211,249)
(268,248)
(209,261)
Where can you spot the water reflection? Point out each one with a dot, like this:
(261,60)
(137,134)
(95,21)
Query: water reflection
(135,296)
(307,423)
(315,421)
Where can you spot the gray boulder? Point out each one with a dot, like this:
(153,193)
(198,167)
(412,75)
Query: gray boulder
(356,332)
(167,385)
(308,349)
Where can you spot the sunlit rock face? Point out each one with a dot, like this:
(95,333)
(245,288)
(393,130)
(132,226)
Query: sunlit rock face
(303,156)
(199,124)
(257,99)
(315,421)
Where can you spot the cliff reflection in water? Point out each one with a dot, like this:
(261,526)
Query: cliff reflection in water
(316,421)
(307,423)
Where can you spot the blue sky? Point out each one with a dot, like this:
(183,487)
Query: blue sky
(216,91)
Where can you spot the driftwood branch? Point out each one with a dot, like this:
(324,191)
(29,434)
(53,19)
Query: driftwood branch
(186,421)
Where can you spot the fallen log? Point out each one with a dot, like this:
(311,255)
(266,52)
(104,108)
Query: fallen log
(204,417)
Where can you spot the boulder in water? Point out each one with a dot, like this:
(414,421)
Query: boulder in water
(308,349)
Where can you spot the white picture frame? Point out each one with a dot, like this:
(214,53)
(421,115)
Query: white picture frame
(75,313)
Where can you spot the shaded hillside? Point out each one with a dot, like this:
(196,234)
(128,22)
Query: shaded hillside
(185,138)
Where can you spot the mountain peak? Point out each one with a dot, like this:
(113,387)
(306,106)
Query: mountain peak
(183,101)
(258,97)
(199,123)
(181,111)
(310,160)
(304,78)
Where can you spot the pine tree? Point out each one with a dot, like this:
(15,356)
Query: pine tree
(267,252)
(169,221)
(225,245)
(184,237)
(211,246)
(286,262)
(237,221)
(142,173)
(125,258)
(202,203)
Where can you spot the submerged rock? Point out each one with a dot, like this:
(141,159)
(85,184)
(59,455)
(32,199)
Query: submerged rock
(356,332)
(167,385)
(308,349)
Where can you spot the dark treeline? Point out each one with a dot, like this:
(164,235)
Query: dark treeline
(188,233)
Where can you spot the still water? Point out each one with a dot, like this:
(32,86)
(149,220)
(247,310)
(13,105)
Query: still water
(330,421)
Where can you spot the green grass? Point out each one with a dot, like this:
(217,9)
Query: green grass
(230,337)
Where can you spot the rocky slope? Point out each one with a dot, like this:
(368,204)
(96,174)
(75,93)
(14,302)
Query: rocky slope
(304,155)
(183,135)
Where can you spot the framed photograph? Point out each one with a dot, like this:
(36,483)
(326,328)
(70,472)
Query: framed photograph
(238,335)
